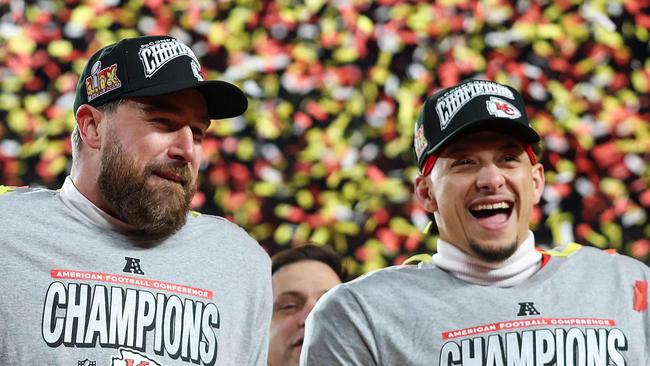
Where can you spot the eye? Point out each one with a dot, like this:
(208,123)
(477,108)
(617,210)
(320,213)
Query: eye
(161,123)
(510,158)
(198,133)
(287,307)
(462,162)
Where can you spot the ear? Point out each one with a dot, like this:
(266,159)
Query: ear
(424,193)
(88,120)
(538,181)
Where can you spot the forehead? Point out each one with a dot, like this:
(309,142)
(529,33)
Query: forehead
(304,276)
(481,140)
(185,102)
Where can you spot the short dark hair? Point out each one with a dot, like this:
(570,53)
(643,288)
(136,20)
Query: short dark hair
(314,252)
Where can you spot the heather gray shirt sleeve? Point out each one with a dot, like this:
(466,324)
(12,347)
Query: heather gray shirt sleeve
(338,332)
(260,337)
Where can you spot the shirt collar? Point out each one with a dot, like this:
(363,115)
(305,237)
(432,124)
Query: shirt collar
(84,208)
(523,263)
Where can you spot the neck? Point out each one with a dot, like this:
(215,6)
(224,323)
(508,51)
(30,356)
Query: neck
(80,204)
(524,262)
(85,181)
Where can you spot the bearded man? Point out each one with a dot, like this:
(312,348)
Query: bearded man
(113,268)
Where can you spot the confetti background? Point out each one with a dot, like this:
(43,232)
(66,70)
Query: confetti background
(324,152)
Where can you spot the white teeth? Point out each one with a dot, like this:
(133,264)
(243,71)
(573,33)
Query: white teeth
(490,206)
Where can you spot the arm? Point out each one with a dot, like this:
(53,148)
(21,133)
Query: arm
(338,332)
(260,333)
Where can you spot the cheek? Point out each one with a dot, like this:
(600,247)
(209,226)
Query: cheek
(451,196)
(527,190)
(283,328)
(143,153)
(198,157)
(198,151)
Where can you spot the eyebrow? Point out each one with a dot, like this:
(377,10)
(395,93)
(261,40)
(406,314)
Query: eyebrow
(299,294)
(293,294)
(151,107)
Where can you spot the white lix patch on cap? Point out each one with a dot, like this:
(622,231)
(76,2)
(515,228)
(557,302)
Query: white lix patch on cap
(501,108)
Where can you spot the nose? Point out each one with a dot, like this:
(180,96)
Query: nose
(490,178)
(303,315)
(182,145)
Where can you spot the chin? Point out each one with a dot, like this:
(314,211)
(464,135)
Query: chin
(493,252)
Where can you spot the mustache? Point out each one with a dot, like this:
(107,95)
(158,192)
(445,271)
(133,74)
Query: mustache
(175,171)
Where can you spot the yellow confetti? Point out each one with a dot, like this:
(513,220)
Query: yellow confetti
(60,48)
(21,44)
(283,233)
(365,24)
(614,234)
(305,199)
(246,149)
(550,31)
(4,189)
(640,81)
(217,34)
(320,235)
(265,189)
(261,232)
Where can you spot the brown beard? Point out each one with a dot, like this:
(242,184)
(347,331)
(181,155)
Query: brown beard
(493,255)
(156,212)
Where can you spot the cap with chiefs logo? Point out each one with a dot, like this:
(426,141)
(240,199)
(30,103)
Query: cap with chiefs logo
(472,103)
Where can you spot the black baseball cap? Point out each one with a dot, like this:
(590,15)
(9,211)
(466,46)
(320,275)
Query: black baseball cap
(149,66)
(472,103)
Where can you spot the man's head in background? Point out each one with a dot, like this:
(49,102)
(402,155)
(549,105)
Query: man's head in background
(478,172)
(142,109)
(300,277)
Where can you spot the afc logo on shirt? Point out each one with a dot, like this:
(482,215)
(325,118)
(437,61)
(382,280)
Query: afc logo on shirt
(527,308)
(133,266)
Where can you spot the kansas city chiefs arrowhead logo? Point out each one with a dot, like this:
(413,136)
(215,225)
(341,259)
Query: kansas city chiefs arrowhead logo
(132,358)
(502,109)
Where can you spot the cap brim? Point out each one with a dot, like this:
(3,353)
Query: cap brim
(509,126)
(223,99)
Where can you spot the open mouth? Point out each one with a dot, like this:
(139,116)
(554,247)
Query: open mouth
(493,215)
(484,210)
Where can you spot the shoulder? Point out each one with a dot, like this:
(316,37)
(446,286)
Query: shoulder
(14,199)
(230,236)
(395,279)
(600,260)
(393,273)
(217,225)
(18,193)
(386,291)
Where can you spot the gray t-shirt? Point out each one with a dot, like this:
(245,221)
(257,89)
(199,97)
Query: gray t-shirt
(586,308)
(74,293)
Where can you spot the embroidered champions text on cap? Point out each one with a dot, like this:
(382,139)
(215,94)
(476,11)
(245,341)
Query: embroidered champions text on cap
(149,66)
(470,103)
